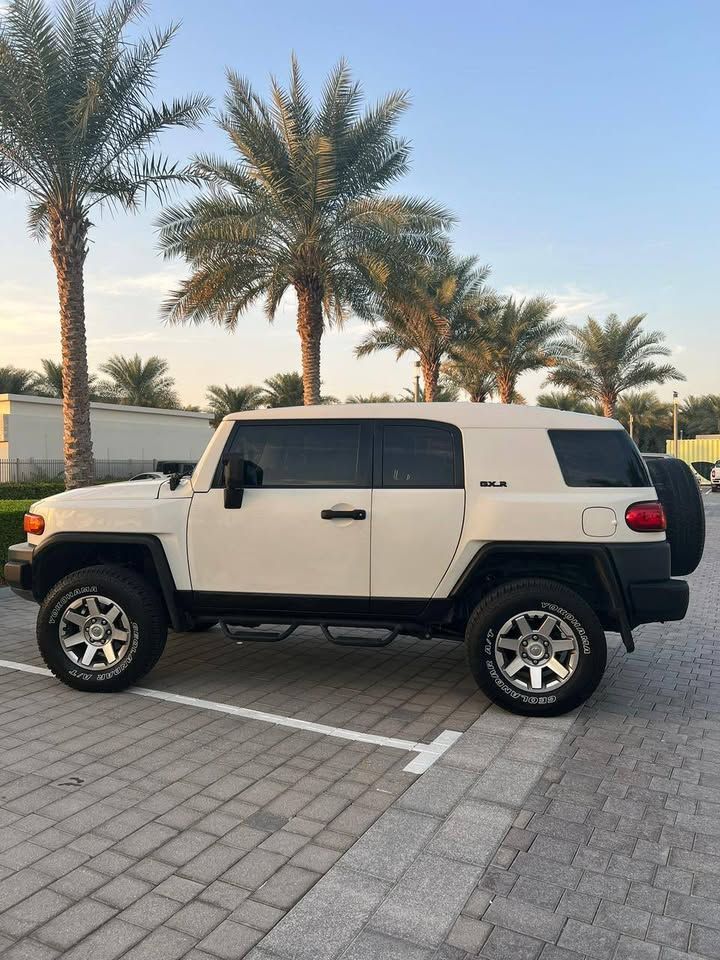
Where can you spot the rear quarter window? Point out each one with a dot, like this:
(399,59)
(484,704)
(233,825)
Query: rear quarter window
(598,458)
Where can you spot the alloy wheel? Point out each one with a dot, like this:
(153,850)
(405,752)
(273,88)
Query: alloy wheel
(95,632)
(536,651)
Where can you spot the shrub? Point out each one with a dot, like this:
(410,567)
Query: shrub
(11,526)
(30,490)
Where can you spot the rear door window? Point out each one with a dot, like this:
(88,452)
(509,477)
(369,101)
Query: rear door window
(419,455)
(599,458)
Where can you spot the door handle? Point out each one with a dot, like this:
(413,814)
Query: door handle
(343,514)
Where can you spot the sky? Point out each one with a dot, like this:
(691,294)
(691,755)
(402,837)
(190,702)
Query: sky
(577,143)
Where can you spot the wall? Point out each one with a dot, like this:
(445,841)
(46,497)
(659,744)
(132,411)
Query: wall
(31,427)
(703,449)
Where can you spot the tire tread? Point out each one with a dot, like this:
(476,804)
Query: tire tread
(149,600)
(552,589)
(678,492)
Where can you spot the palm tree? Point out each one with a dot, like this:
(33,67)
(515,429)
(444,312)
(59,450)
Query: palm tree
(302,208)
(139,383)
(470,375)
(50,382)
(51,378)
(76,124)
(16,380)
(283,390)
(602,359)
(700,414)
(225,400)
(565,400)
(425,311)
(514,337)
(445,392)
(639,409)
(371,398)
(286,390)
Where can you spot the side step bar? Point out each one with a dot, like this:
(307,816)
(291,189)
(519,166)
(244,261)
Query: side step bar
(251,634)
(261,636)
(349,641)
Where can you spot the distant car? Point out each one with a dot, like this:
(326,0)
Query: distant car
(183,467)
(715,477)
(152,475)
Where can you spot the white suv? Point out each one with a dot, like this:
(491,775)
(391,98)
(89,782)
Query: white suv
(715,477)
(418,519)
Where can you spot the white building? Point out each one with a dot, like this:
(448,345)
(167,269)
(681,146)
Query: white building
(31,428)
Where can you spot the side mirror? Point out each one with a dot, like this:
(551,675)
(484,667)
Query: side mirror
(234,481)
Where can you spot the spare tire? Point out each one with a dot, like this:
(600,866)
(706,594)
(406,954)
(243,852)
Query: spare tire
(678,492)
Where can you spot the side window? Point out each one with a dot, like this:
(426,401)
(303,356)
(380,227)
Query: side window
(302,454)
(599,458)
(418,455)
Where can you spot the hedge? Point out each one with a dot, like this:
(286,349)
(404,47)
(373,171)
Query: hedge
(11,526)
(30,491)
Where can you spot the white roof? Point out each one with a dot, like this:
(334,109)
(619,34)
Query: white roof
(19,398)
(465,415)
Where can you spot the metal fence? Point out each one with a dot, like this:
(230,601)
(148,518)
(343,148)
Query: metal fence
(22,471)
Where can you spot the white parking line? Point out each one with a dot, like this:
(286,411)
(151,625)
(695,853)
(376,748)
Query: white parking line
(427,753)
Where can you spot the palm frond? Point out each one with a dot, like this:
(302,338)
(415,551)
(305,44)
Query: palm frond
(76,117)
(606,358)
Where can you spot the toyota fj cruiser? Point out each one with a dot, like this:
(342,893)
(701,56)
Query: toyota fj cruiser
(527,532)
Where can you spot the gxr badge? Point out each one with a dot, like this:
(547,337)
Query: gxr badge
(493,483)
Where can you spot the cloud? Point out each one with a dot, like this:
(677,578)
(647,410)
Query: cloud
(159,282)
(571,301)
(23,311)
(146,336)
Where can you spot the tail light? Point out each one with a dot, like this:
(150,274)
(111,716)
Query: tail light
(33,523)
(648,517)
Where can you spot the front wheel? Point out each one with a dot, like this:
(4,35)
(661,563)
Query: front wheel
(535,647)
(101,628)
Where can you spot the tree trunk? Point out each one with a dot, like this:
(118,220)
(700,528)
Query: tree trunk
(478,396)
(608,406)
(431,375)
(68,247)
(505,388)
(310,329)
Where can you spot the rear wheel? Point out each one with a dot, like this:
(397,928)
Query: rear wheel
(101,628)
(535,647)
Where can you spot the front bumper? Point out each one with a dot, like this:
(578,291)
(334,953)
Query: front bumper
(651,595)
(18,569)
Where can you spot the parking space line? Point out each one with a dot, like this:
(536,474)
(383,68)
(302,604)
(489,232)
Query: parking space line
(428,753)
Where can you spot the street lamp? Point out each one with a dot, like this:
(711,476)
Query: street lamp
(417,381)
(675,423)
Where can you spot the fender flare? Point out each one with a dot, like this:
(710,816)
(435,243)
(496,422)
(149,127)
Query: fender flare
(603,564)
(178,617)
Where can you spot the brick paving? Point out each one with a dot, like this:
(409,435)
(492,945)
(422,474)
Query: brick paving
(139,828)
(615,854)
(142,828)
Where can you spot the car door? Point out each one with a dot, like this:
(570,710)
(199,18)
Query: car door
(303,530)
(418,507)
